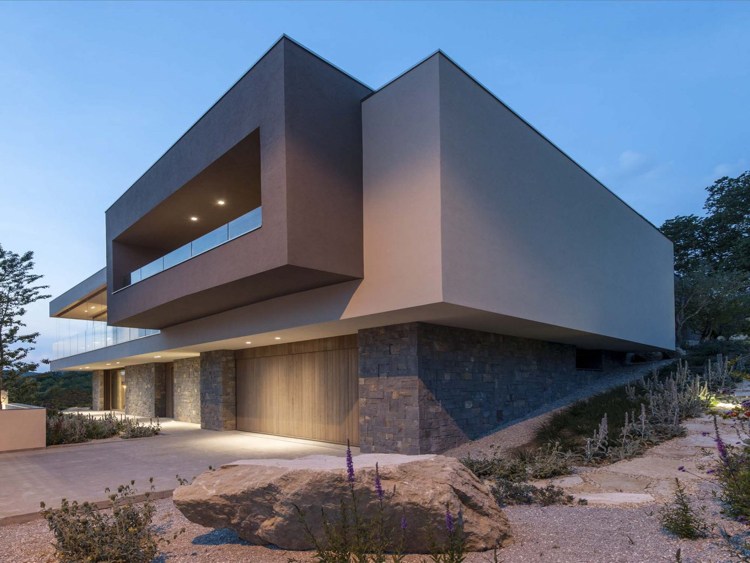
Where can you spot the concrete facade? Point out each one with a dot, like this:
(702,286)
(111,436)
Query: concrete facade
(187,390)
(472,256)
(218,388)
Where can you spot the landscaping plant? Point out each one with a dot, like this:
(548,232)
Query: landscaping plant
(681,519)
(732,471)
(67,428)
(121,534)
(352,536)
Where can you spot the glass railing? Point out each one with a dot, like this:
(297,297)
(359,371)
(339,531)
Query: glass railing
(77,336)
(240,226)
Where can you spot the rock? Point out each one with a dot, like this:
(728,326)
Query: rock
(258,499)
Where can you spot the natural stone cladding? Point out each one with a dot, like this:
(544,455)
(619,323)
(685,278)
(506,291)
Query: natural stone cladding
(187,390)
(426,388)
(218,398)
(97,390)
(145,394)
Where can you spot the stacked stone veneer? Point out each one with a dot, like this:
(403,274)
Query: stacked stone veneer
(426,388)
(218,397)
(97,390)
(145,394)
(187,390)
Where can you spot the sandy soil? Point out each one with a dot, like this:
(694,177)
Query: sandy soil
(556,534)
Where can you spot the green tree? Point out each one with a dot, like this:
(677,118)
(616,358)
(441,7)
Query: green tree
(17,291)
(712,303)
(727,223)
(712,262)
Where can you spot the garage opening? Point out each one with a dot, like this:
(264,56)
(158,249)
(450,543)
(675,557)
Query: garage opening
(304,389)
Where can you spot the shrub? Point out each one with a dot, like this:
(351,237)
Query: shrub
(732,471)
(65,428)
(131,428)
(681,519)
(544,462)
(84,533)
(510,493)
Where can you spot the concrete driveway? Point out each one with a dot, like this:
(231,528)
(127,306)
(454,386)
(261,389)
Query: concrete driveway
(82,471)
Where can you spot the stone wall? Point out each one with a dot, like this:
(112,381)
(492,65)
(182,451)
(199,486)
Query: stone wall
(145,392)
(218,399)
(97,390)
(426,388)
(187,390)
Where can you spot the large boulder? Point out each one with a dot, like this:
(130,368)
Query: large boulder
(259,499)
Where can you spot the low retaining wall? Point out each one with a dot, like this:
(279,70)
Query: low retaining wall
(22,428)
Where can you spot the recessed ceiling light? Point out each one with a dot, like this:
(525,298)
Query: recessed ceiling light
(193,218)
(248,342)
(87,367)
(277,338)
(118,363)
(220,202)
(109,364)
(157,356)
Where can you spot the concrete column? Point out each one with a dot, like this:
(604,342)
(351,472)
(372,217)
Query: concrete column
(389,390)
(187,390)
(144,392)
(218,398)
(97,390)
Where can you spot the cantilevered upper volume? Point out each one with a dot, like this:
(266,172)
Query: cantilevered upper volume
(285,143)
(405,268)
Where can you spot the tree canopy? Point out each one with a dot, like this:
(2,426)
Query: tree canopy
(18,289)
(712,262)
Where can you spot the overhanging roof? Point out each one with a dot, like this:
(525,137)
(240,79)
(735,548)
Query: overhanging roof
(86,300)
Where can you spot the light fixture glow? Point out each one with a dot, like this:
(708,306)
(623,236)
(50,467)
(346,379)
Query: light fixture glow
(277,338)
(87,367)
(193,218)
(220,202)
(109,364)
(157,356)
(118,363)
(248,342)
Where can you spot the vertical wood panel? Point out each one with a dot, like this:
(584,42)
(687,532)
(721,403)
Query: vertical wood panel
(309,390)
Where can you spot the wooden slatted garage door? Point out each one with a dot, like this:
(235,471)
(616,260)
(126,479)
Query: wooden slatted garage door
(302,389)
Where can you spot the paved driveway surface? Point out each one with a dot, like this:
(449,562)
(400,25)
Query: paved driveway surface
(83,471)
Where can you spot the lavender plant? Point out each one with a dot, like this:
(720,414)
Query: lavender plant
(732,471)
(352,535)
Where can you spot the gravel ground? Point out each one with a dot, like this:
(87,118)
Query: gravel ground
(520,433)
(563,534)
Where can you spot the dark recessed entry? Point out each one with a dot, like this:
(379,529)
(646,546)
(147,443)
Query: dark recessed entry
(589,359)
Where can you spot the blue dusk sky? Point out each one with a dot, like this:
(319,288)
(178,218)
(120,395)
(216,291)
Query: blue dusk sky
(652,98)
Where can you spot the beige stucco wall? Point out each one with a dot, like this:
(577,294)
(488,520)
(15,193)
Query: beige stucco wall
(528,233)
(23,429)
(401,195)
(471,219)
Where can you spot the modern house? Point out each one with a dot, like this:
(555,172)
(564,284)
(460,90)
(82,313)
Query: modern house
(406,268)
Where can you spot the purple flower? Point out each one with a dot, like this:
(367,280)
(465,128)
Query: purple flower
(722,448)
(403,522)
(378,484)
(449,521)
(681,468)
(349,464)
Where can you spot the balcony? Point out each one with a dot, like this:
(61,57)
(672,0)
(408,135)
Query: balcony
(240,226)
(76,336)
